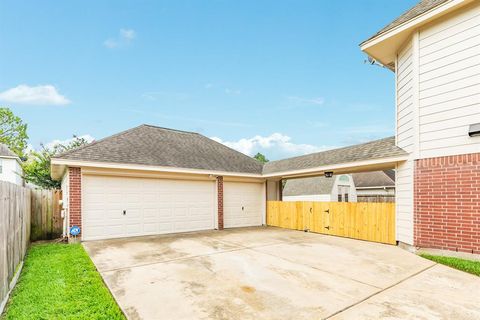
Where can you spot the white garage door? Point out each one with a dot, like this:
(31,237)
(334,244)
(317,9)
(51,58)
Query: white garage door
(115,207)
(243,204)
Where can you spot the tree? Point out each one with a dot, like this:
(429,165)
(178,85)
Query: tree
(13,132)
(260,157)
(36,169)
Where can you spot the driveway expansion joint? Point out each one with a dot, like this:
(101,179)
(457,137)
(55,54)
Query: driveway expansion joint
(380,291)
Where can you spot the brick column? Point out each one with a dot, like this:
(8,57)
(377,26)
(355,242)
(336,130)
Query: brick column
(447,203)
(75,194)
(220,202)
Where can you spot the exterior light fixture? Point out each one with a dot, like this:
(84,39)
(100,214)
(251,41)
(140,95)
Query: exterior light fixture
(474,130)
(328,174)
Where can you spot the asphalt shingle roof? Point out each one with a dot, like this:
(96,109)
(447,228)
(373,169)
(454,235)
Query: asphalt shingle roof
(374,179)
(420,8)
(366,151)
(6,152)
(308,186)
(323,185)
(155,146)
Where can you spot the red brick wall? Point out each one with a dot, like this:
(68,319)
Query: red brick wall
(447,203)
(220,202)
(75,194)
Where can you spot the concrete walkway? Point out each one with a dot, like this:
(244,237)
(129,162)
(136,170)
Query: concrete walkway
(270,273)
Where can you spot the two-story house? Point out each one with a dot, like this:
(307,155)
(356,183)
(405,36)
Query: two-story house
(434,50)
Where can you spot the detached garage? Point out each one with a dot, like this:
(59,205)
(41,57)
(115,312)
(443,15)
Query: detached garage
(150,180)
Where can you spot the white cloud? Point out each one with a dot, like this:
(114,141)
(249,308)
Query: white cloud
(274,146)
(36,95)
(315,101)
(52,143)
(232,91)
(125,37)
(128,34)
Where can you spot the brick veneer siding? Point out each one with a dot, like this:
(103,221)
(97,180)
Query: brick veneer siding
(220,202)
(75,194)
(447,203)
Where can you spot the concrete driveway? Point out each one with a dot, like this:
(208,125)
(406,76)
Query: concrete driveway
(270,273)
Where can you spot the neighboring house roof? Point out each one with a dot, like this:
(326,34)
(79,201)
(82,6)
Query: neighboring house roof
(156,146)
(377,149)
(323,185)
(374,179)
(420,8)
(308,186)
(6,152)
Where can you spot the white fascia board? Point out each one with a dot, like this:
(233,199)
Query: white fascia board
(333,167)
(412,23)
(127,166)
(339,166)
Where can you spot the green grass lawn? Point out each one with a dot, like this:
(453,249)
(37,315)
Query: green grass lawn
(469,266)
(59,281)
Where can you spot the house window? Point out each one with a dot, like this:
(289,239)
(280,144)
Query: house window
(343,192)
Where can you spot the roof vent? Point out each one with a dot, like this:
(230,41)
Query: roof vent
(474,130)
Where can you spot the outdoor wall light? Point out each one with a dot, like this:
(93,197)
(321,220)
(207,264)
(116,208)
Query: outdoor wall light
(328,174)
(474,130)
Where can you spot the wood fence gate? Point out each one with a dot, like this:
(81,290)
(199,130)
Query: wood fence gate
(358,220)
(46,213)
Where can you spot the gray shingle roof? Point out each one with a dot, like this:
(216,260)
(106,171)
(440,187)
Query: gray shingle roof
(374,179)
(323,185)
(155,146)
(420,8)
(366,151)
(6,152)
(308,186)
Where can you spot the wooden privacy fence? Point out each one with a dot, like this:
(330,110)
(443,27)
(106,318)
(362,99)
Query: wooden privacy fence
(46,218)
(372,198)
(357,220)
(14,233)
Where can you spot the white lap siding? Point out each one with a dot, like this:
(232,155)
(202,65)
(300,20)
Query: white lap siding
(449,84)
(405,132)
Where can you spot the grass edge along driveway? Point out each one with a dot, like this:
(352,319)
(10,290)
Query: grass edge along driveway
(469,266)
(59,281)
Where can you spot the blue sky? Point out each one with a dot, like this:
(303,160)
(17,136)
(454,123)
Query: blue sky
(280,77)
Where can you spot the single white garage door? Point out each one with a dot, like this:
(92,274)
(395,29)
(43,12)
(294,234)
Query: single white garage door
(115,207)
(243,204)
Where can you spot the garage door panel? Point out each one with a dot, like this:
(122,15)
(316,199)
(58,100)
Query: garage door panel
(150,213)
(243,204)
(150,228)
(200,211)
(165,214)
(154,206)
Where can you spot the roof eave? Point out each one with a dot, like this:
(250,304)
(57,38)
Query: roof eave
(338,168)
(383,47)
(58,168)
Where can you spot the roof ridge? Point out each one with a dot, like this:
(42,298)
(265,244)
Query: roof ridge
(169,129)
(329,150)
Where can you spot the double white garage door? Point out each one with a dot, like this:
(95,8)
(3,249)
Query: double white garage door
(115,207)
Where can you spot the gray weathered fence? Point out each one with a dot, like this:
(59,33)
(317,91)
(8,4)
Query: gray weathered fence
(15,213)
(373,198)
(46,218)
